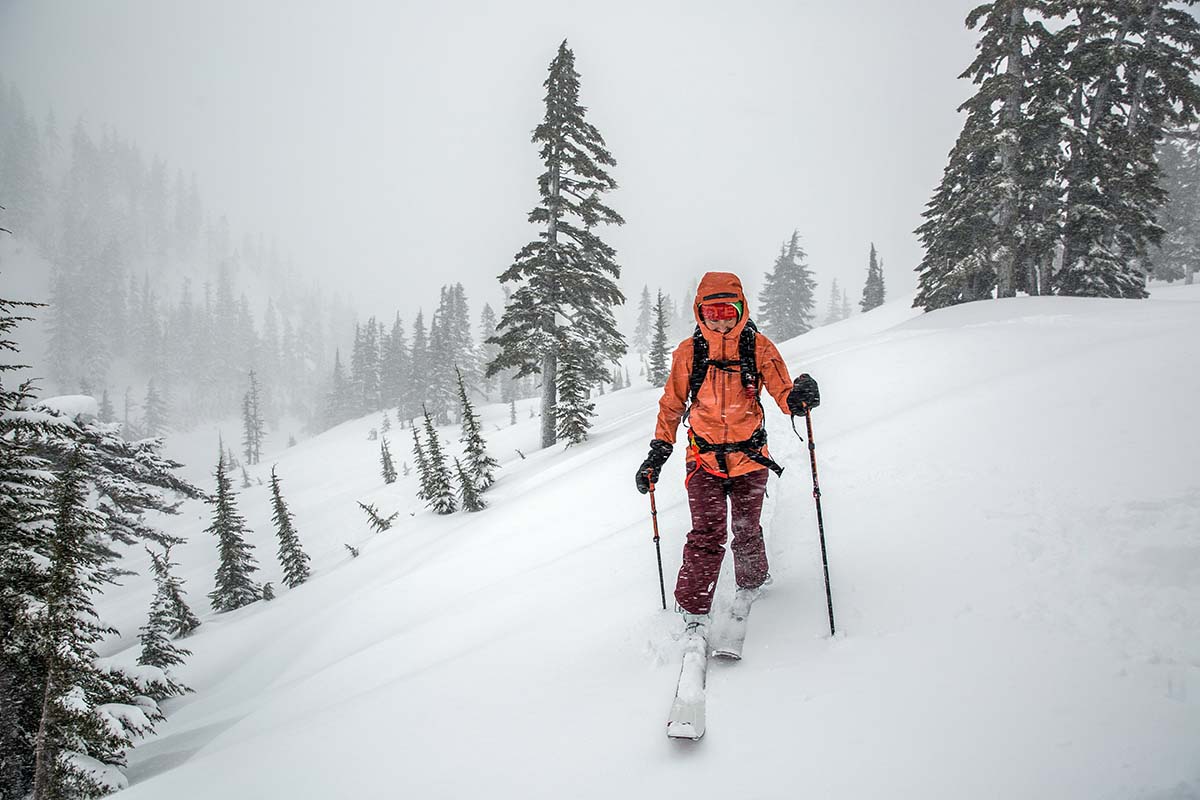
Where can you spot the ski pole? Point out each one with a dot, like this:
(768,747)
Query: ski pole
(812,452)
(662,586)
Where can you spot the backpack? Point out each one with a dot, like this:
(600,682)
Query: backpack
(747,366)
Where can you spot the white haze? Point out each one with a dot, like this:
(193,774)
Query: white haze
(386,145)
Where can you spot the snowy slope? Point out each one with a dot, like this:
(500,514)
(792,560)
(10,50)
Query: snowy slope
(1012,503)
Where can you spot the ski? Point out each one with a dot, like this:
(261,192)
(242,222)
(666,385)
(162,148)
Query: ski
(686,720)
(733,632)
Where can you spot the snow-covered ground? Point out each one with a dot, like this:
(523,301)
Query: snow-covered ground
(1012,507)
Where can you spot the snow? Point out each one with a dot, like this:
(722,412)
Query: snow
(72,405)
(104,775)
(1011,501)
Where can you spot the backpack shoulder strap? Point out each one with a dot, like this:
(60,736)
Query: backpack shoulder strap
(699,365)
(748,350)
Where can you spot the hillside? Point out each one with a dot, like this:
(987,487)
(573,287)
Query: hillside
(1011,503)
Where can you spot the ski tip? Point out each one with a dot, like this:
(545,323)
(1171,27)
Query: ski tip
(727,655)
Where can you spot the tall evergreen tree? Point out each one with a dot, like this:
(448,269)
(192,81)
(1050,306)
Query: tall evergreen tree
(292,557)
(182,620)
(26,529)
(79,720)
(441,490)
(395,367)
(480,466)
(873,291)
(234,587)
(574,410)
(154,411)
(1179,255)
(385,461)
(338,398)
(468,494)
(1132,65)
(976,214)
(787,300)
(488,351)
(567,275)
(253,427)
(107,412)
(1056,157)
(414,395)
(440,360)
(660,352)
(834,312)
(424,485)
(158,651)
(645,322)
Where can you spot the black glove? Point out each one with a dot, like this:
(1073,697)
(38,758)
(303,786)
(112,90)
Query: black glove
(804,395)
(647,473)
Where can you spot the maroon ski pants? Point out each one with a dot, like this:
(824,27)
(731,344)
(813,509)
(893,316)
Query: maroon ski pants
(712,498)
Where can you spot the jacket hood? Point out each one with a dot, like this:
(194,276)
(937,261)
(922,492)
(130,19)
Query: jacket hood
(720,287)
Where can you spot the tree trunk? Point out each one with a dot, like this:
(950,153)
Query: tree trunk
(1010,117)
(1139,92)
(42,752)
(550,359)
(549,398)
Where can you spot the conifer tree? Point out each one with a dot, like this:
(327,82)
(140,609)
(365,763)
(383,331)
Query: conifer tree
(873,291)
(441,491)
(645,322)
(424,485)
(337,399)
(1132,68)
(1056,160)
(973,220)
(1179,255)
(377,521)
(234,587)
(575,409)
(385,461)
(157,649)
(468,494)
(253,427)
(107,413)
(414,394)
(481,467)
(292,557)
(26,529)
(488,350)
(182,620)
(834,312)
(566,276)
(395,367)
(78,720)
(660,354)
(154,412)
(787,301)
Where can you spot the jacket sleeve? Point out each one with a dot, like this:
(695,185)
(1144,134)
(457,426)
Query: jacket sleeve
(774,372)
(675,394)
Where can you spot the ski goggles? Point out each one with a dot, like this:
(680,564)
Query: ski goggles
(719,311)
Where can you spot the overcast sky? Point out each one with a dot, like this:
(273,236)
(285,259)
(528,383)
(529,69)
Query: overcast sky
(388,142)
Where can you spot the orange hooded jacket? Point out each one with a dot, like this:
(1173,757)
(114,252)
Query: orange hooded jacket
(722,413)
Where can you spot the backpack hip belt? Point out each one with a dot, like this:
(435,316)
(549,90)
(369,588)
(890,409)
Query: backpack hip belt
(751,448)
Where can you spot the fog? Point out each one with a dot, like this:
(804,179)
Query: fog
(386,145)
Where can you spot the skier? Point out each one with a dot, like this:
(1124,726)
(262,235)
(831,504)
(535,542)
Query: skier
(714,385)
